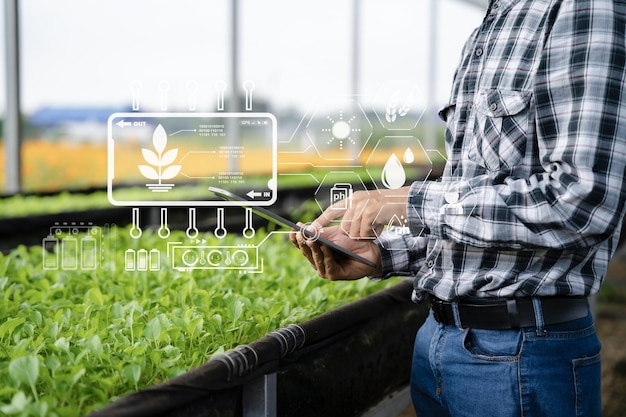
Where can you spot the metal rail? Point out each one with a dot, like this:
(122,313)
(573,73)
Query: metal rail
(12,129)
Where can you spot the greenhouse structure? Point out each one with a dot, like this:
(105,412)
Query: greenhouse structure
(148,149)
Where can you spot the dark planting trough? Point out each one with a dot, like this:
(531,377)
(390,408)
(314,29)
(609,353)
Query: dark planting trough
(351,361)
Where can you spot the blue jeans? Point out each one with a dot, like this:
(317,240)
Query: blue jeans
(551,371)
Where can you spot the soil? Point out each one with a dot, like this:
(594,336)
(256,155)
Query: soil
(610,308)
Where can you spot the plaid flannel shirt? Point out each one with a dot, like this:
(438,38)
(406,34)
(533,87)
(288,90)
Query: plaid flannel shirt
(532,196)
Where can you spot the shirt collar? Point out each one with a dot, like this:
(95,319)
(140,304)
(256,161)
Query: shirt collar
(498,7)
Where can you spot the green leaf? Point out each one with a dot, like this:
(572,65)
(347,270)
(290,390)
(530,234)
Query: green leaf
(7,328)
(236,308)
(132,373)
(25,370)
(194,326)
(94,295)
(153,329)
(19,402)
(94,344)
(63,344)
(77,376)
(53,363)
(276,308)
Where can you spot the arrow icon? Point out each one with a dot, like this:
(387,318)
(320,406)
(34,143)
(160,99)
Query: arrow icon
(123,124)
(254,194)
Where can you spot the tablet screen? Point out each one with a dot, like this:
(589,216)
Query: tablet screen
(275,218)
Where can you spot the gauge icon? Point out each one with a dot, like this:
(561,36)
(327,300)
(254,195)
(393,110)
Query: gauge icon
(215,257)
(185,258)
(190,257)
(240,257)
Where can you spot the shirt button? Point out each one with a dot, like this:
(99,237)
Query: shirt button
(430,263)
(493,107)
(479,52)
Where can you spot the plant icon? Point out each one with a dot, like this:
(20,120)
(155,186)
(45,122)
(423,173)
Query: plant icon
(392,110)
(159,161)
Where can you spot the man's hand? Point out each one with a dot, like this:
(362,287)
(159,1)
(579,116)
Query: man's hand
(367,212)
(327,264)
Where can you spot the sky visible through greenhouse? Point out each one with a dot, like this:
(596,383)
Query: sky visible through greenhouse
(77,53)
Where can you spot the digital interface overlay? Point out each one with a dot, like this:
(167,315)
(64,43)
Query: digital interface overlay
(172,158)
(162,162)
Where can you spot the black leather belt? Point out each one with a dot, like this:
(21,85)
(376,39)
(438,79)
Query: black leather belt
(514,313)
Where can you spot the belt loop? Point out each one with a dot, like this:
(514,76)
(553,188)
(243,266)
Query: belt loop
(455,313)
(538,316)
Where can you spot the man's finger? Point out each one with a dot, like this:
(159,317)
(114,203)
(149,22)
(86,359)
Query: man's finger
(318,257)
(293,238)
(332,212)
(331,268)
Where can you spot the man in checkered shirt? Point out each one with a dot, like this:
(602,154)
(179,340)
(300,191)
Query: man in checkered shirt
(518,231)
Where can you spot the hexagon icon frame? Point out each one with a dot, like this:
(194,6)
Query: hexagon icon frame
(399,97)
(401,221)
(340,183)
(327,129)
(394,172)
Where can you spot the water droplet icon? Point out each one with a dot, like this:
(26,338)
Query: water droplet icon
(408,156)
(393,175)
(394,222)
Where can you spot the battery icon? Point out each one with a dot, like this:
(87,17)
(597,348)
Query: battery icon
(142,260)
(50,253)
(155,260)
(129,260)
(88,252)
(69,252)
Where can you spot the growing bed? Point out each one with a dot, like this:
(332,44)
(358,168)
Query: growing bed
(74,342)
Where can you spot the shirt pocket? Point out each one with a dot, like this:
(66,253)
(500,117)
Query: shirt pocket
(500,128)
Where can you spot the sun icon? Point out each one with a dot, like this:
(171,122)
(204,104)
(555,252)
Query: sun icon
(340,130)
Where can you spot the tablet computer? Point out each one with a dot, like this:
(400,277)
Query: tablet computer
(275,218)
